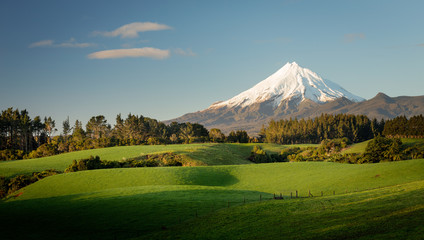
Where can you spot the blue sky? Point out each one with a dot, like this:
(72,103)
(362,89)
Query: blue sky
(163,59)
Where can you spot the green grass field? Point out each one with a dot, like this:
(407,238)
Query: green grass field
(190,202)
(357,147)
(395,212)
(195,155)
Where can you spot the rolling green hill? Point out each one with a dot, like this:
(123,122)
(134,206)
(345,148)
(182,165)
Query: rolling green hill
(156,202)
(395,212)
(195,155)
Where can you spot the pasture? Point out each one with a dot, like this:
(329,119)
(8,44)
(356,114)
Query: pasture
(187,202)
(194,155)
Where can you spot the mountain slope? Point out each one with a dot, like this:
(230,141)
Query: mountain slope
(296,92)
(288,83)
(383,106)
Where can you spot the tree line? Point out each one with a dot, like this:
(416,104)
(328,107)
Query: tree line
(356,128)
(406,128)
(23,137)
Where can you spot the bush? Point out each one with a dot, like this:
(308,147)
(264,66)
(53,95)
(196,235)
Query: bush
(11,154)
(44,150)
(334,145)
(46,173)
(289,151)
(154,160)
(4,186)
(8,186)
(84,164)
(414,152)
(258,155)
(383,149)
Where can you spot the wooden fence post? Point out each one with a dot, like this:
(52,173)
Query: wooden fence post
(322,194)
(296,194)
(291,195)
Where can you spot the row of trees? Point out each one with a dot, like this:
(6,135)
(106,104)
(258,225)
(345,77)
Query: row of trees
(356,128)
(22,137)
(403,127)
(18,132)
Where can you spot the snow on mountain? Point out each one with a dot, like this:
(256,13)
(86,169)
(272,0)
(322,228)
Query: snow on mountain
(289,82)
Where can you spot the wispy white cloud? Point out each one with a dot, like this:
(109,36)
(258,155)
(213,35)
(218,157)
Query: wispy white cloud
(131,30)
(43,43)
(147,52)
(188,52)
(351,37)
(71,43)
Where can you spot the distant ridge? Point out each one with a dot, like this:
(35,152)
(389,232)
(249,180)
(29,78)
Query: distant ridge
(296,92)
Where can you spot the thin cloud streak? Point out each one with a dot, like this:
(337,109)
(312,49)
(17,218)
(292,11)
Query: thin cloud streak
(351,37)
(182,52)
(131,30)
(71,43)
(43,43)
(147,52)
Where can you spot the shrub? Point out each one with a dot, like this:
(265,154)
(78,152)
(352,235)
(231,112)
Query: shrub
(383,149)
(4,186)
(8,186)
(290,151)
(44,150)
(154,160)
(46,173)
(11,154)
(85,164)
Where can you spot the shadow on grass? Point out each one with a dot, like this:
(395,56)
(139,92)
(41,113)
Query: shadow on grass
(206,176)
(93,216)
(221,154)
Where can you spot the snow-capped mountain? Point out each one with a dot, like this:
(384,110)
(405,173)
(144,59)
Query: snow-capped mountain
(288,83)
(296,92)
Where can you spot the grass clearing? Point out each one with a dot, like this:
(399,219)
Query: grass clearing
(357,147)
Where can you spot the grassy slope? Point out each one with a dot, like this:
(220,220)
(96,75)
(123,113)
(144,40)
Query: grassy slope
(60,162)
(395,212)
(360,147)
(197,154)
(357,147)
(126,203)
